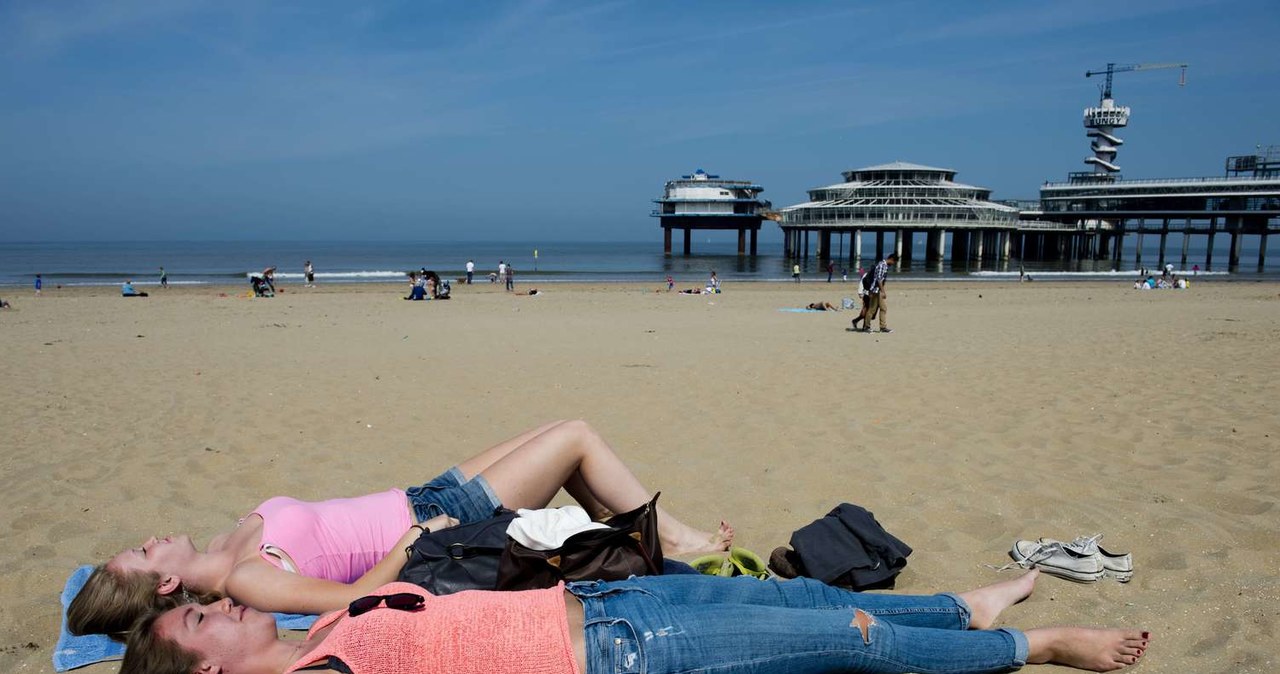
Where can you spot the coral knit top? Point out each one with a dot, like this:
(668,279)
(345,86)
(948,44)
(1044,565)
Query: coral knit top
(472,632)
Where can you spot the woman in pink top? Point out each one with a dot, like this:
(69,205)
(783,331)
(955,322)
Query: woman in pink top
(652,624)
(294,556)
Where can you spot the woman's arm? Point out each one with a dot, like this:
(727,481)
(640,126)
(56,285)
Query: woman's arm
(258,584)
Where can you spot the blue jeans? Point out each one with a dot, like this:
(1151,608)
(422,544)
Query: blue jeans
(449,494)
(670,624)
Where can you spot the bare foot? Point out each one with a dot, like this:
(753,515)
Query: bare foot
(1097,650)
(986,603)
(700,542)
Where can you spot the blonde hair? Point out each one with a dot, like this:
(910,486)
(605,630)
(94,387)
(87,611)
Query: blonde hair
(110,601)
(148,653)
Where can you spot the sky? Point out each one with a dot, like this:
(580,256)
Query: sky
(423,120)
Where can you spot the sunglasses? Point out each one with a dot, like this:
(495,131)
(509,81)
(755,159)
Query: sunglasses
(401,601)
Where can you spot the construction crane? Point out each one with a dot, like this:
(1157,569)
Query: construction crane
(1113,68)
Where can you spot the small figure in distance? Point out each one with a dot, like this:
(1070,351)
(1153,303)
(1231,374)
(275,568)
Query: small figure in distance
(5,304)
(310,273)
(269,278)
(39,284)
(822,306)
(164,278)
(714,282)
(511,278)
(795,272)
(471,270)
(671,283)
(831,270)
(127,290)
(534,291)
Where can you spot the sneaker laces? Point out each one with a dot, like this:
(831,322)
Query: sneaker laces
(1039,553)
(1084,545)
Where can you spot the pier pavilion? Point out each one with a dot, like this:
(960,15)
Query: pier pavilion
(1099,215)
(902,198)
(702,201)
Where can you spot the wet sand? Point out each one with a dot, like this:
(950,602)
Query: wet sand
(995,411)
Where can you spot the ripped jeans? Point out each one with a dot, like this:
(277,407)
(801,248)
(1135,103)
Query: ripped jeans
(670,624)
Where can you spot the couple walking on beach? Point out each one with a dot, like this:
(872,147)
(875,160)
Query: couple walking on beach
(874,298)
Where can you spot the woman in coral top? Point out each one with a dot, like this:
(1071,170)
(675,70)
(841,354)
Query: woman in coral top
(654,625)
(294,556)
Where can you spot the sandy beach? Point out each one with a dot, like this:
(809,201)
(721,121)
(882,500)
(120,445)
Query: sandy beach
(995,411)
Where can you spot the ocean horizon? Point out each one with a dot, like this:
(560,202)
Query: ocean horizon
(231,262)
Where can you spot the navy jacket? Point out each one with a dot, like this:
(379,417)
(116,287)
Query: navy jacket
(849,548)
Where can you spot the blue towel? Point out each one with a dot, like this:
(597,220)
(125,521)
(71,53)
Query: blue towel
(802,310)
(73,652)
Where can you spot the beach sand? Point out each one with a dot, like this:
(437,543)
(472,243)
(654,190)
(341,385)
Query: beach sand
(995,411)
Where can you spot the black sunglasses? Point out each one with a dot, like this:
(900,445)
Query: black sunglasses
(401,601)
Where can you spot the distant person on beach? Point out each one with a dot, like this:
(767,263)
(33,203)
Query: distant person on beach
(510,277)
(5,304)
(831,271)
(714,282)
(471,270)
(864,296)
(164,278)
(671,283)
(844,274)
(309,273)
(39,284)
(127,290)
(269,278)
(879,305)
(1195,270)
(795,272)
(298,556)
(502,269)
(822,306)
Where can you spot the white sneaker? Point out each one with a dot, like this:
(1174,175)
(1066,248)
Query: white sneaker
(1055,559)
(1117,565)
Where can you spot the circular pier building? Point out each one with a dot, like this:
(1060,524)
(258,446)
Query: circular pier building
(703,201)
(901,198)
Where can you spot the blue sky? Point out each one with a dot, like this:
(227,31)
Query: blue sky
(421,120)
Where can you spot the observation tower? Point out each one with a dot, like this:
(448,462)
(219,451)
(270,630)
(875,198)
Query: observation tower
(704,201)
(1103,120)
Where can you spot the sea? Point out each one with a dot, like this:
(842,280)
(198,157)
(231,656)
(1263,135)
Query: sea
(539,262)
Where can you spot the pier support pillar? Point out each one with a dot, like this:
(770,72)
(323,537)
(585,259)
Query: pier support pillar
(754,234)
(857,244)
(806,243)
(824,244)
(931,245)
(1137,255)
(1186,241)
(1164,239)
(1208,254)
(666,241)
(1007,247)
(879,245)
(1262,249)
(898,244)
(980,236)
(742,242)
(1233,260)
(688,239)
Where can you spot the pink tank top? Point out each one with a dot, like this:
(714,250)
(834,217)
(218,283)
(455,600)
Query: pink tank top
(472,632)
(339,539)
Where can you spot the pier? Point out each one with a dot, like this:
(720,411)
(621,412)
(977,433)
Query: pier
(703,201)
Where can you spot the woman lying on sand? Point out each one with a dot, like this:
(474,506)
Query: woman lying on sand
(653,624)
(295,556)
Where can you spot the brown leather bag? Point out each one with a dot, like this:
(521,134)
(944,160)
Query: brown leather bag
(628,547)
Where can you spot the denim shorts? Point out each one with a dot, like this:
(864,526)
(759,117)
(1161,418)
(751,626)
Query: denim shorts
(448,494)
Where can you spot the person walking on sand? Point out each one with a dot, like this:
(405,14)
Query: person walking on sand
(502,270)
(795,272)
(310,273)
(831,271)
(671,283)
(510,277)
(39,284)
(879,304)
(164,278)
(471,270)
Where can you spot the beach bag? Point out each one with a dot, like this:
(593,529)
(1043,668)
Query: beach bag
(627,546)
(464,557)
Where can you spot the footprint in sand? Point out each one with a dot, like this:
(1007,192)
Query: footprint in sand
(1168,561)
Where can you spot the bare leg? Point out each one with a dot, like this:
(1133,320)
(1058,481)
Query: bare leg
(531,475)
(476,464)
(1097,650)
(986,603)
